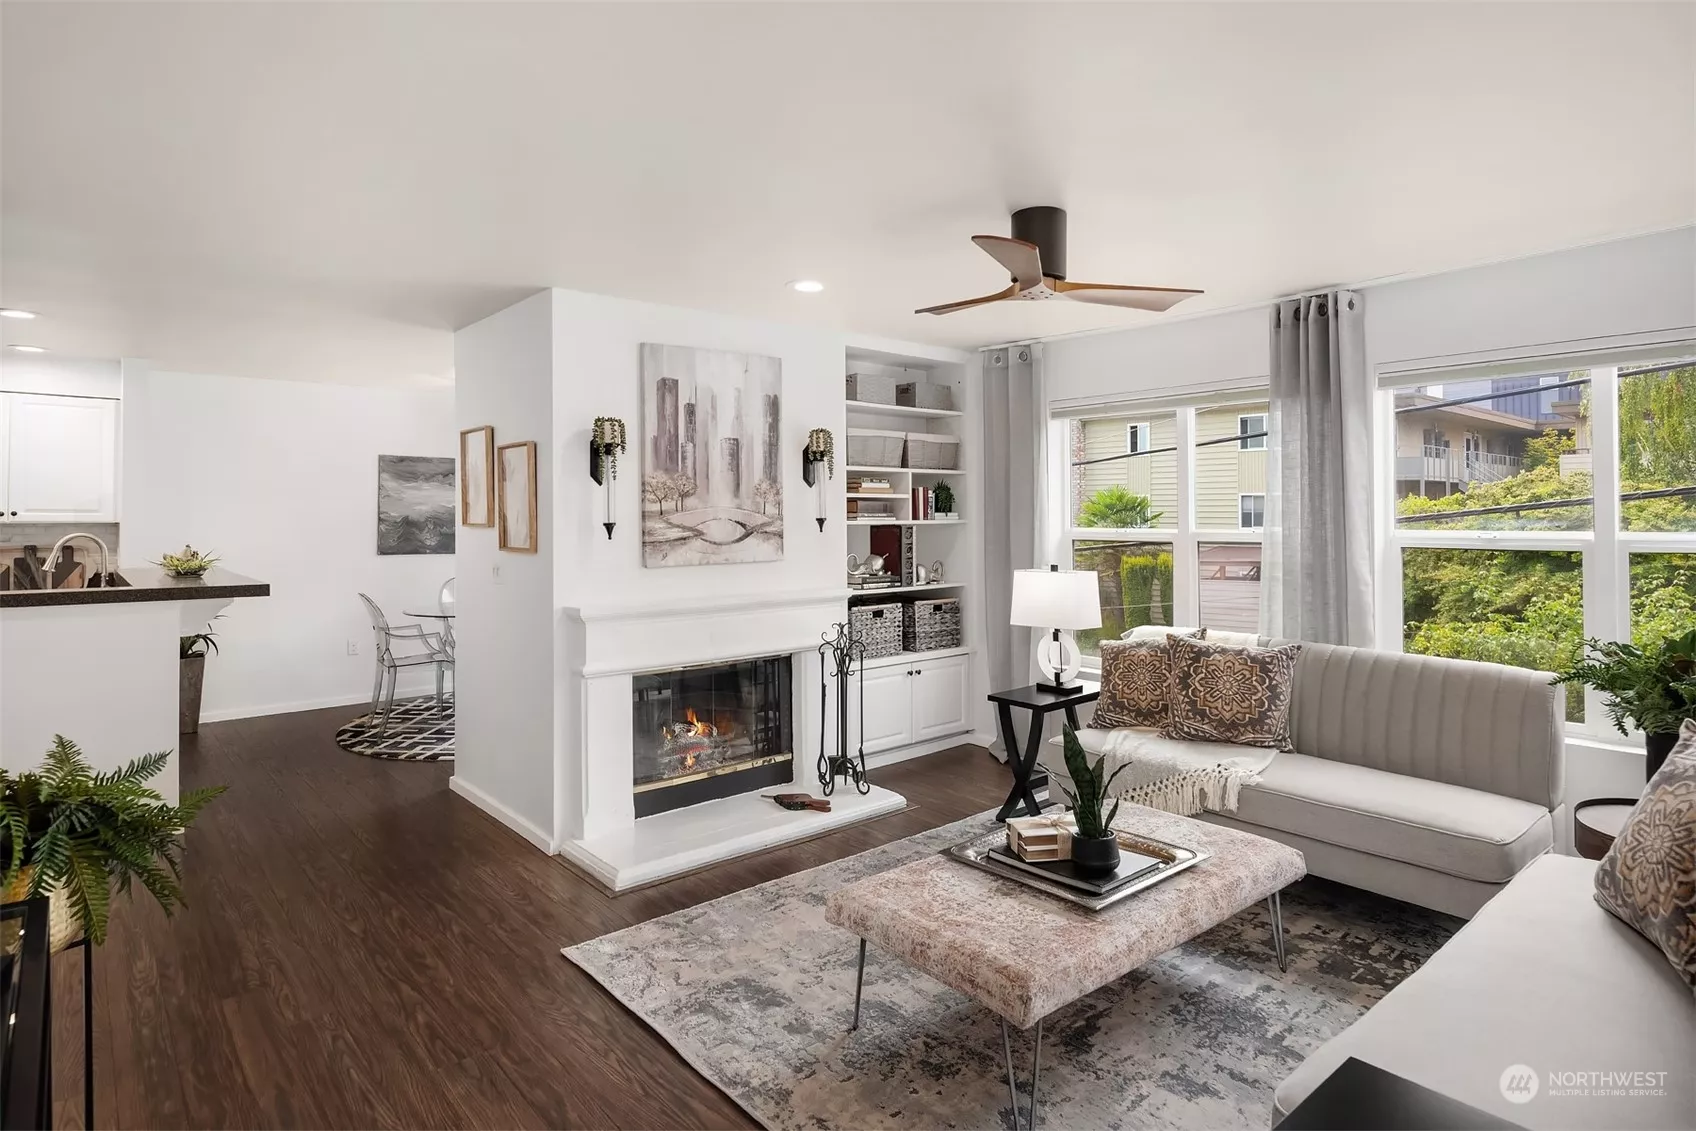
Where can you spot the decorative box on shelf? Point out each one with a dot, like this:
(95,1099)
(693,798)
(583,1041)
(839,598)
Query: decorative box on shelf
(1041,838)
(933,451)
(929,625)
(918,394)
(879,626)
(871,388)
(873,447)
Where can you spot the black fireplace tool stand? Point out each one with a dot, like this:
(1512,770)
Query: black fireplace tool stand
(842,657)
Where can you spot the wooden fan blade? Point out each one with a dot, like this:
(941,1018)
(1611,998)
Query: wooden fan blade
(951,307)
(1022,260)
(1136,298)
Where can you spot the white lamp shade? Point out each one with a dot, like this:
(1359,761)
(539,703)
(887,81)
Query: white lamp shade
(1067,599)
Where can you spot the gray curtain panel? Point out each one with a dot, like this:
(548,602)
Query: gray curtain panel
(1317,570)
(1015,444)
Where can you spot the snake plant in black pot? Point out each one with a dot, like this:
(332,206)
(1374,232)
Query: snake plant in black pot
(1095,850)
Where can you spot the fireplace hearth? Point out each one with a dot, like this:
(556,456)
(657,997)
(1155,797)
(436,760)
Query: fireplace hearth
(701,733)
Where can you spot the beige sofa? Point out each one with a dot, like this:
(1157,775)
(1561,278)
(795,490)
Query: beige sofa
(1429,780)
(1542,977)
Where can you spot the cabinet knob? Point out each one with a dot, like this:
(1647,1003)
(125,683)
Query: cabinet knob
(919,671)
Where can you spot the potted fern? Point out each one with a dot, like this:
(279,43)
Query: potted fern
(1095,850)
(74,835)
(1654,687)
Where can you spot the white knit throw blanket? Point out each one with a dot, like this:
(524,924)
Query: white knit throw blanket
(1176,776)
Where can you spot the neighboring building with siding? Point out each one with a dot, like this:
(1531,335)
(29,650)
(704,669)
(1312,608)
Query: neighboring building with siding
(1230,476)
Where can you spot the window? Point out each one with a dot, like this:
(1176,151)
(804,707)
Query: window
(1536,510)
(1161,555)
(1251,511)
(1252,430)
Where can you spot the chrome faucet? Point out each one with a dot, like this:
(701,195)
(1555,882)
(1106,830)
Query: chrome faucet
(58,548)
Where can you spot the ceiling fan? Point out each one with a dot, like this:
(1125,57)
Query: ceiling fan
(1036,258)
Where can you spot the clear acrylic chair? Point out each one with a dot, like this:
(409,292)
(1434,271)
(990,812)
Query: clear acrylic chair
(401,646)
(445,602)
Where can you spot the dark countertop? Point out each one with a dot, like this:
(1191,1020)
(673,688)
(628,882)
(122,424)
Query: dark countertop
(148,583)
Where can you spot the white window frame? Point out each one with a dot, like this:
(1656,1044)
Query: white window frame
(1145,434)
(1261,495)
(1255,443)
(1605,549)
(1186,538)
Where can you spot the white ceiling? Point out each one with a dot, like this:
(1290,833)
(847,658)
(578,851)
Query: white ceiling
(324,191)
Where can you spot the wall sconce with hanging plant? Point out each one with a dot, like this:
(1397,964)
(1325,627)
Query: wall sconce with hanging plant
(821,448)
(606,444)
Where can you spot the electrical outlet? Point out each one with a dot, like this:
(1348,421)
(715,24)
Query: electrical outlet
(353,647)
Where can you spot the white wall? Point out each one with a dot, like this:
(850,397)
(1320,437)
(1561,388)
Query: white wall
(506,717)
(596,373)
(64,376)
(279,478)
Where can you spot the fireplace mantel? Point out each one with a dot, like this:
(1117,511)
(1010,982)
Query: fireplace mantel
(606,646)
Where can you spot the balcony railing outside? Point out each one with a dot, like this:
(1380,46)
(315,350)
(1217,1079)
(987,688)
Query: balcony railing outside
(1456,467)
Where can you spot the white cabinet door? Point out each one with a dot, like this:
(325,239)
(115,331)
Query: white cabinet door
(939,698)
(61,459)
(889,708)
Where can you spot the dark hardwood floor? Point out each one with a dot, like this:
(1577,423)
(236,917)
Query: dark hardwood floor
(364,949)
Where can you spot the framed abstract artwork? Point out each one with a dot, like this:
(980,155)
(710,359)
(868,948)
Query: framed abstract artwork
(414,505)
(712,461)
(477,476)
(516,479)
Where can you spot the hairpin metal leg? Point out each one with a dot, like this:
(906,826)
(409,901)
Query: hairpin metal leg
(1036,1076)
(1275,905)
(859,985)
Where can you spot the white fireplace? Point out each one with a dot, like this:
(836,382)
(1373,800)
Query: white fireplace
(610,651)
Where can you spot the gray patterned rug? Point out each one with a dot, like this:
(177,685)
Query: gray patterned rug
(756,991)
(417,731)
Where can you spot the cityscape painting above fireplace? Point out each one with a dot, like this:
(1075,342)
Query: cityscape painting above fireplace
(702,733)
(712,462)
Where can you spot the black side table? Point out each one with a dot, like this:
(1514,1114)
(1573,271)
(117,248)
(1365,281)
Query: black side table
(1039,701)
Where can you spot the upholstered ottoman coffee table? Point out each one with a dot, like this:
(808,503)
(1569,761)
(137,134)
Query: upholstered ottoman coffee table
(1024,954)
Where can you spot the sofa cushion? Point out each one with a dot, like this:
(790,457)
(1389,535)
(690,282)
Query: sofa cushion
(1542,977)
(1648,877)
(1136,679)
(1222,693)
(1464,832)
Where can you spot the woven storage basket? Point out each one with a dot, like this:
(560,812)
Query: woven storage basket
(871,388)
(929,625)
(934,451)
(869,447)
(63,926)
(917,394)
(878,624)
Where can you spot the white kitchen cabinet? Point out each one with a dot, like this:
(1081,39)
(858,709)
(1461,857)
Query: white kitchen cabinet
(58,458)
(910,699)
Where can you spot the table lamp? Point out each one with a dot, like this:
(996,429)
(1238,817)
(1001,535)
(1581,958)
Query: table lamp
(1060,600)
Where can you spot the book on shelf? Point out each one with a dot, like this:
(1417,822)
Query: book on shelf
(870,486)
(895,544)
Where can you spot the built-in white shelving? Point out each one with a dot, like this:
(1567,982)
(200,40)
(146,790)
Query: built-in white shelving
(905,470)
(925,588)
(905,521)
(871,408)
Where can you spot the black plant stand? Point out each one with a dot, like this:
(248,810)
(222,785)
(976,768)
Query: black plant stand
(41,924)
(842,656)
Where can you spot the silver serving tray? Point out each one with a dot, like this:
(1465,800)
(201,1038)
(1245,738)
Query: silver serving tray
(975,852)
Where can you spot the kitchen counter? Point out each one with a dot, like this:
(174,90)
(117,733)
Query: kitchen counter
(146,584)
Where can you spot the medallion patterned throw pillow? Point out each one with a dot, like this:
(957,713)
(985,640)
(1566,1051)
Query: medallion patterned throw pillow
(1648,877)
(1136,683)
(1222,693)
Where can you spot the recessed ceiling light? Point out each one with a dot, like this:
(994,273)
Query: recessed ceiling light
(30,349)
(807,286)
(8,312)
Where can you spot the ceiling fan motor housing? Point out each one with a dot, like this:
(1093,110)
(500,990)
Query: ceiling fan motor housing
(1044,226)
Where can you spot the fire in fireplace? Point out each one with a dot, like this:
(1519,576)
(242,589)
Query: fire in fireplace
(707,732)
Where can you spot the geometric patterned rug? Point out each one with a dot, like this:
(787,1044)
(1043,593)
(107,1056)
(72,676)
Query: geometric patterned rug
(417,732)
(756,991)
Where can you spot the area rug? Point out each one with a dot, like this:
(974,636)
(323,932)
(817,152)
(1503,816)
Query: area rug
(418,731)
(756,991)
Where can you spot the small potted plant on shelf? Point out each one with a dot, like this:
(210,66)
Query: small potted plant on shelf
(189,563)
(191,675)
(72,834)
(1654,687)
(1095,850)
(945,501)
